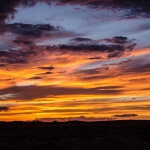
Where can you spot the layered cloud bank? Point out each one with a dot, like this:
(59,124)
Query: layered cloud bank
(75,58)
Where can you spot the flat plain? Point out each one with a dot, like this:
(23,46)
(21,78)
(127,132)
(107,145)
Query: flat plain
(108,135)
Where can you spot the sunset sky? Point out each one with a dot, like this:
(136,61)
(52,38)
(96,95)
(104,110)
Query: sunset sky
(82,59)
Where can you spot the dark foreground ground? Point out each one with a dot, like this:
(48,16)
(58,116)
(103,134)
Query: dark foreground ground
(112,135)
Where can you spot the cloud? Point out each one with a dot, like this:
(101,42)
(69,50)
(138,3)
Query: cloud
(16,56)
(146,89)
(143,27)
(94,58)
(34,92)
(134,8)
(29,34)
(124,69)
(100,73)
(25,51)
(100,48)
(45,73)
(7,7)
(119,45)
(35,78)
(125,115)
(4,108)
(30,3)
(141,107)
(47,68)
(80,39)
(115,50)
(2,65)
(80,118)
(140,68)
(30,30)
(119,40)
(84,110)
(136,65)
(25,42)
(97,77)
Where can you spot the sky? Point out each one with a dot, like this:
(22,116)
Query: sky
(86,60)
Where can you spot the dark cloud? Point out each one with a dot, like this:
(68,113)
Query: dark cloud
(135,66)
(45,73)
(80,39)
(62,72)
(139,80)
(96,72)
(4,53)
(119,45)
(97,47)
(2,65)
(23,54)
(7,7)
(125,115)
(116,50)
(9,79)
(111,87)
(80,118)
(115,54)
(88,72)
(118,40)
(16,56)
(29,50)
(97,77)
(35,78)
(34,92)
(147,89)
(132,66)
(22,42)
(8,10)
(131,8)
(47,68)
(4,108)
(141,107)
(95,58)
(30,30)
(30,3)
(139,68)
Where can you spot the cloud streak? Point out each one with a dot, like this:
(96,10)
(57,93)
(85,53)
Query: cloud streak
(4,108)
(29,30)
(125,115)
(34,92)
(81,118)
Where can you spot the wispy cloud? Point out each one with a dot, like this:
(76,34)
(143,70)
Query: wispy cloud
(125,115)
(4,108)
